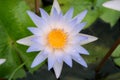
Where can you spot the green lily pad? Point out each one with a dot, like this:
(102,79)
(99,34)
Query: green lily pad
(117,61)
(116,55)
(13,26)
(95,10)
(79,6)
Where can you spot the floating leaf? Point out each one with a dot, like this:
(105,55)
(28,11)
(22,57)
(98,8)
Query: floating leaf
(116,55)
(110,16)
(117,61)
(95,10)
(79,6)
(13,26)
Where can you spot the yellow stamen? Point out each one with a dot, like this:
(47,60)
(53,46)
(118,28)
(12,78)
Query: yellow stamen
(57,38)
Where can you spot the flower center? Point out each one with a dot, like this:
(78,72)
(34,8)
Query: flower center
(57,38)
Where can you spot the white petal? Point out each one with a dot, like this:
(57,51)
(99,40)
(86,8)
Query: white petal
(44,14)
(68,60)
(75,49)
(81,16)
(55,14)
(73,23)
(40,40)
(39,22)
(54,19)
(48,49)
(39,59)
(79,59)
(59,55)
(51,60)
(75,55)
(113,4)
(26,41)
(78,28)
(56,6)
(35,31)
(68,48)
(69,14)
(35,47)
(82,50)
(77,39)
(88,40)
(2,61)
(58,68)
(70,26)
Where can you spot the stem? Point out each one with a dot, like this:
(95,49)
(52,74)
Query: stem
(21,60)
(37,5)
(107,55)
(10,78)
(2,79)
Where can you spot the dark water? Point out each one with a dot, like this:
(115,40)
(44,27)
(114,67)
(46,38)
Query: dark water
(107,37)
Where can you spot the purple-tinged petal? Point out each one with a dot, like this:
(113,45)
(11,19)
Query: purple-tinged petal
(58,68)
(70,26)
(40,40)
(81,50)
(39,59)
(59,55)
(69,14)
(68,60)
(56,6)
(77,39)
(81,16)
(2,61)
(78,28)
(51,60)
(39,22)
(35,31)
(44,14)
(79,59)
(88,40)
(35,47)
(26,41)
